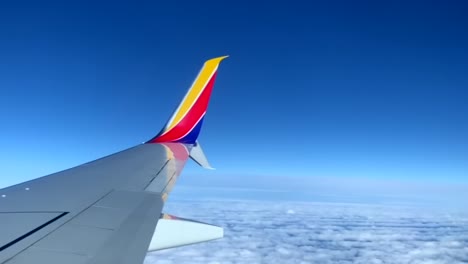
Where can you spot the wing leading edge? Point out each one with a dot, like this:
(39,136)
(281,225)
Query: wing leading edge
(107,210)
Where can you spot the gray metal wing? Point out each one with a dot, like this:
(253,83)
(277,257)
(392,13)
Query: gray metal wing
(99,212)
(106,211)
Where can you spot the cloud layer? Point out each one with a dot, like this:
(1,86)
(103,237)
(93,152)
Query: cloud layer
(268,232)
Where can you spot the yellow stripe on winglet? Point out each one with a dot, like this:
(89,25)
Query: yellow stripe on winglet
(195,90)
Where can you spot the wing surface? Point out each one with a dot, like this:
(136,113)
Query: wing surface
(107,210)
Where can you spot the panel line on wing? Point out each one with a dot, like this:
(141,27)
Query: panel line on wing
(157,174)
(11,243)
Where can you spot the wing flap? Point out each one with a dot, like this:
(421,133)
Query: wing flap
(114,219)
(34,255)
(129,243)
(173,231)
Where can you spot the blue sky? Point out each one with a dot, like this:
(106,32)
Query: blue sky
(342,89)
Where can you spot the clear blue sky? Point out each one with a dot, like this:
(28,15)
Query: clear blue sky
(313,89)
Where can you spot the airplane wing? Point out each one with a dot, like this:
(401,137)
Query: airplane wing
(110,210)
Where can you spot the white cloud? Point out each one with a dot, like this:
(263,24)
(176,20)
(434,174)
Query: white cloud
(261,232)
(290,211)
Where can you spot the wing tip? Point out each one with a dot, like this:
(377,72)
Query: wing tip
(218,59)
(185,124)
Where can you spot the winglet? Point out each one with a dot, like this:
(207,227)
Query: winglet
(185,124)
(197,155)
